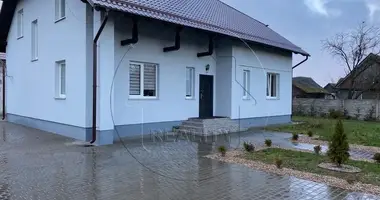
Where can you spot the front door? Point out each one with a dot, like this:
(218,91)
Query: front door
(206,96)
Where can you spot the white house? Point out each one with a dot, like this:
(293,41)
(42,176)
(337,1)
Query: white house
(166,61)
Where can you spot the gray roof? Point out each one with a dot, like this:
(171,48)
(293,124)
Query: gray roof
(308,85)
(209,15)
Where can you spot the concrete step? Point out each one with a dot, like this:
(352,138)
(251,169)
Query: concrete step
(191,129)
(192,123)
(214,126)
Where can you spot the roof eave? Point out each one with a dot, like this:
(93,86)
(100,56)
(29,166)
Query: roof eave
(300,51)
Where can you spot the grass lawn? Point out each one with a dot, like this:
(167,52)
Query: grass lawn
(358,132)
(308,162)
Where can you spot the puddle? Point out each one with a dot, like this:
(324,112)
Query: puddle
(310,147)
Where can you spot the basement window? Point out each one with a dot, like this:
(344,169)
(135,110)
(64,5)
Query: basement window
(143,80)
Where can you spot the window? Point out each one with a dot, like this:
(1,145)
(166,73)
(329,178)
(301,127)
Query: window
(246,82)
(272,85)
(60,9)
(190,74)
(60,79)
(20,23)
(34,40)
(143,80)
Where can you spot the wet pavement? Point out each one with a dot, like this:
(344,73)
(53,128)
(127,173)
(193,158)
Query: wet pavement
(40,165)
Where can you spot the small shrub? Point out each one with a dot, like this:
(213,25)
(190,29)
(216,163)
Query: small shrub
(345,114)
(310,133)
(278,162)
(268,142)
(376,157)
(352,179)
(357,114)
(222,150)
(248,147)
(317,149)
(322,114)
(313,111)
(295,136)
(338,147)
(335,114)
(175,128)
(370,116)
(299,111)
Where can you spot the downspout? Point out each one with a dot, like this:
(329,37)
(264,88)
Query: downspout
(94,76)
(307,57)
(4,65)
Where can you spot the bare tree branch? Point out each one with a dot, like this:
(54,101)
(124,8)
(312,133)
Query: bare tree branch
(352,48)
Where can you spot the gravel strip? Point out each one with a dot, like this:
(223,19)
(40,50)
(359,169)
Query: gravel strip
(312,140)
(232,157)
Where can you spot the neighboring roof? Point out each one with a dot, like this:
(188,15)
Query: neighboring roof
(210,15)
(330,84)
(308,85)
(330,87)
(362,66)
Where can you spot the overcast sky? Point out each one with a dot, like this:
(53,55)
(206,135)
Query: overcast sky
(307,22)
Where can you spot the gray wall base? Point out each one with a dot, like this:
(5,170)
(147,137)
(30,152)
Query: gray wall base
(76,132)
(105,137)
(263,121)
(133,130)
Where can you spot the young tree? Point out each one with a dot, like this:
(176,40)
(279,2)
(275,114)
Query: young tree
(353,47)
(339,147)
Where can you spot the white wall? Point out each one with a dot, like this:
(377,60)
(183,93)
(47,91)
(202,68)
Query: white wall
(223,80)
(171,104)
(31,85)
(275,62)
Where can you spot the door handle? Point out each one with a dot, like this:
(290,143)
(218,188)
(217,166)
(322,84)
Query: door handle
(201,96)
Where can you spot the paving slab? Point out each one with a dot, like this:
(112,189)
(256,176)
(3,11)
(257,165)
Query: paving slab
(41,165)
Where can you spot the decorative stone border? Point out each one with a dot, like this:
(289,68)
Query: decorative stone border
(232,157)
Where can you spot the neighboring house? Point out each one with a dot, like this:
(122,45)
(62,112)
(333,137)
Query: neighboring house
(306,87)
(331,88)
(367,82)
(166,60)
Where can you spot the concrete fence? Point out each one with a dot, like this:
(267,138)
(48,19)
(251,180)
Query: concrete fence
(360,109)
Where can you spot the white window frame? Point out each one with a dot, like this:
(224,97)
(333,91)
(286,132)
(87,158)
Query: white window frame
(141,95)
(20,23)
(58,79)
(246,84)
(269,78)
(60,11)
(34,40)
(191,72)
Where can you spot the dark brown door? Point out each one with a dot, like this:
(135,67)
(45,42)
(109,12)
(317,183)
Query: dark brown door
(206,96)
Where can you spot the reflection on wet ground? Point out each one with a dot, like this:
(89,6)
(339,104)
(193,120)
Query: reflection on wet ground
(39,165)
